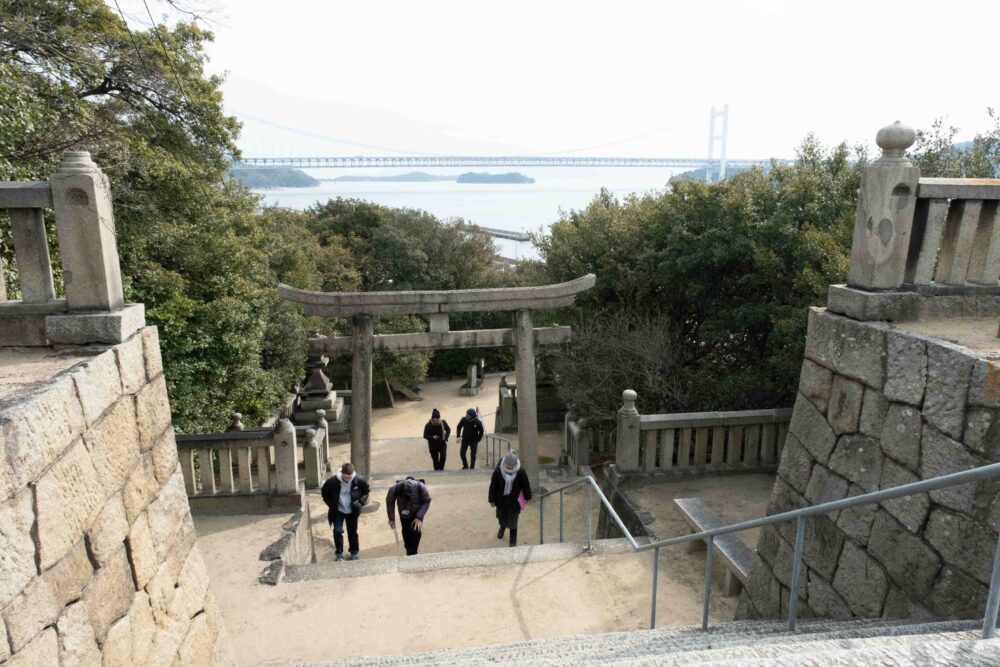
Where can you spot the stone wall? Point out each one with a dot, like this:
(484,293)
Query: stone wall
(878,407)
(98,562)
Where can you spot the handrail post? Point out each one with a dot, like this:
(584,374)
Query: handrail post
(590,515)
(993,602)
(793,599)
(709,558)
(656,569)
(541,520)
(561,494)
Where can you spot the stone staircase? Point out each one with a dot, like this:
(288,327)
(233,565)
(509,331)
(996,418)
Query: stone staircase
(816,642)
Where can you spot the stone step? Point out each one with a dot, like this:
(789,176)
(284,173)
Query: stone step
(725,643)
(450,560)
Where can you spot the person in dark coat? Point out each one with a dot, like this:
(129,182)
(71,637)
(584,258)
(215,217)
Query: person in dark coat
(470,431)
(412,498)
(509,488)
(436,433)
(345,494)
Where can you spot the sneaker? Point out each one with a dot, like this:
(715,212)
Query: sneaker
(352,557)
(500,533)
(340,557)
(511,545)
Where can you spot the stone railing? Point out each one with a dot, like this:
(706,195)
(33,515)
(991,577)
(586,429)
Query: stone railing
(92,309)
(922,246)
(697,440)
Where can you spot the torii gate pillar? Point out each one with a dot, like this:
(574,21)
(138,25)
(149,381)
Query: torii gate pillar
(527,409)
(361,396)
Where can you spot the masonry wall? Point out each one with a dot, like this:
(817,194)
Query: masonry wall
(98,563)
(877,408)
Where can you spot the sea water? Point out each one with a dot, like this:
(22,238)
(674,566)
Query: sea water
(527,207)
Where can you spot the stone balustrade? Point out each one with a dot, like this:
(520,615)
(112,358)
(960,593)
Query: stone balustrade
(92,309)
(922,247)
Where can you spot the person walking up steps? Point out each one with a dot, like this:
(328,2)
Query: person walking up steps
(413,499)
(470,431)
(345,494)
(436,433)
(510,490)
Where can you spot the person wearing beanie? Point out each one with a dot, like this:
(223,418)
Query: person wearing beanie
(412,498)
(470,431)
(510,490)
(436,433)
(345,494)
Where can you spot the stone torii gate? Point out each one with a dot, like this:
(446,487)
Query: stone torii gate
(362,307)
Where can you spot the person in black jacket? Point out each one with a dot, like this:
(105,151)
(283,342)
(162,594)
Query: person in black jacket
(345,494)
(436,433)
(470,430)
(509,489)
(413,500)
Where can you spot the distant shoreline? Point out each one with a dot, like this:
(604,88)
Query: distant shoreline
(423,177)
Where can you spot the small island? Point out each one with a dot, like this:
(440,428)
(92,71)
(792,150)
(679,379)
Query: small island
(263,178)
(511,177)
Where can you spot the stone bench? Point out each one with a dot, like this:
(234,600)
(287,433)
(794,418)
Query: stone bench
(733,550)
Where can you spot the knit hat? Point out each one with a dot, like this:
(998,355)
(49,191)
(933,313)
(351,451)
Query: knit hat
(435,414)
(510,461)
(470,412)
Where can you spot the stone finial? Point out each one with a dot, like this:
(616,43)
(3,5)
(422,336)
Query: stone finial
(629,397)
(321,416)
(310,435)
(76,162)
(236,424)
(284,425)
(894,140)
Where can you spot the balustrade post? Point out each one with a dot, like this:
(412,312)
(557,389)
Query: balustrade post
(286,457)
(311,454)
(627,449)
(884,219)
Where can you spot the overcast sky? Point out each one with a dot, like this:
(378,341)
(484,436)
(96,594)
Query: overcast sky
(542,76)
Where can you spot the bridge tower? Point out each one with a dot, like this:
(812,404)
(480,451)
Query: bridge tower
(721,138)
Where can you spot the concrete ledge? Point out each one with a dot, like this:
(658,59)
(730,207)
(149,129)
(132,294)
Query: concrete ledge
(247,503)
(82,328)
(865,306)
(22,331)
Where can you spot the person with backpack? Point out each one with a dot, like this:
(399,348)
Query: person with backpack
(470,431)
(510,490)
(345,494)
(412,498)
(436,433)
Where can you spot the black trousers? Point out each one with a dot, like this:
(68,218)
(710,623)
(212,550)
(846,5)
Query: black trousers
(471,463)
(339,519)
(439,453)
(411,538)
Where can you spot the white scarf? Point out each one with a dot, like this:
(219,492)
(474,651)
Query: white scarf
(508,477)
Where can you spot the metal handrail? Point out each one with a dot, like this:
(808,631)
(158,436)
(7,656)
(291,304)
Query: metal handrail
(492,443)
(799,515)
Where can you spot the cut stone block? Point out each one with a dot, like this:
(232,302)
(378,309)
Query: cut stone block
(882,306)
(901,435)
(165,461)
(197,648)
(108,532)
(824,486)
(98,385)
(67,578)
(109,594)
(117,647)
(77,645)
(978,436)
(984,389)
(911,564)
(89,328)
(949,371)
(845,405)
(822,545)
(900,605)
(151,350)
(825,601)
(847,347)
(763,589)
(964,543)
(39,428)
(859,459)
(873,411)
(141,552)
(113,443)
(61,522)
(856,522)
(910,510)
(814,384)
(861,582)
(165,514)
(17,549)
(140,617)
(812,429)
(131,364)
(906,368)
(42,650)
(956,595)
(140,488)
(152,412)
(940,456)
(29,612)
(796,464)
